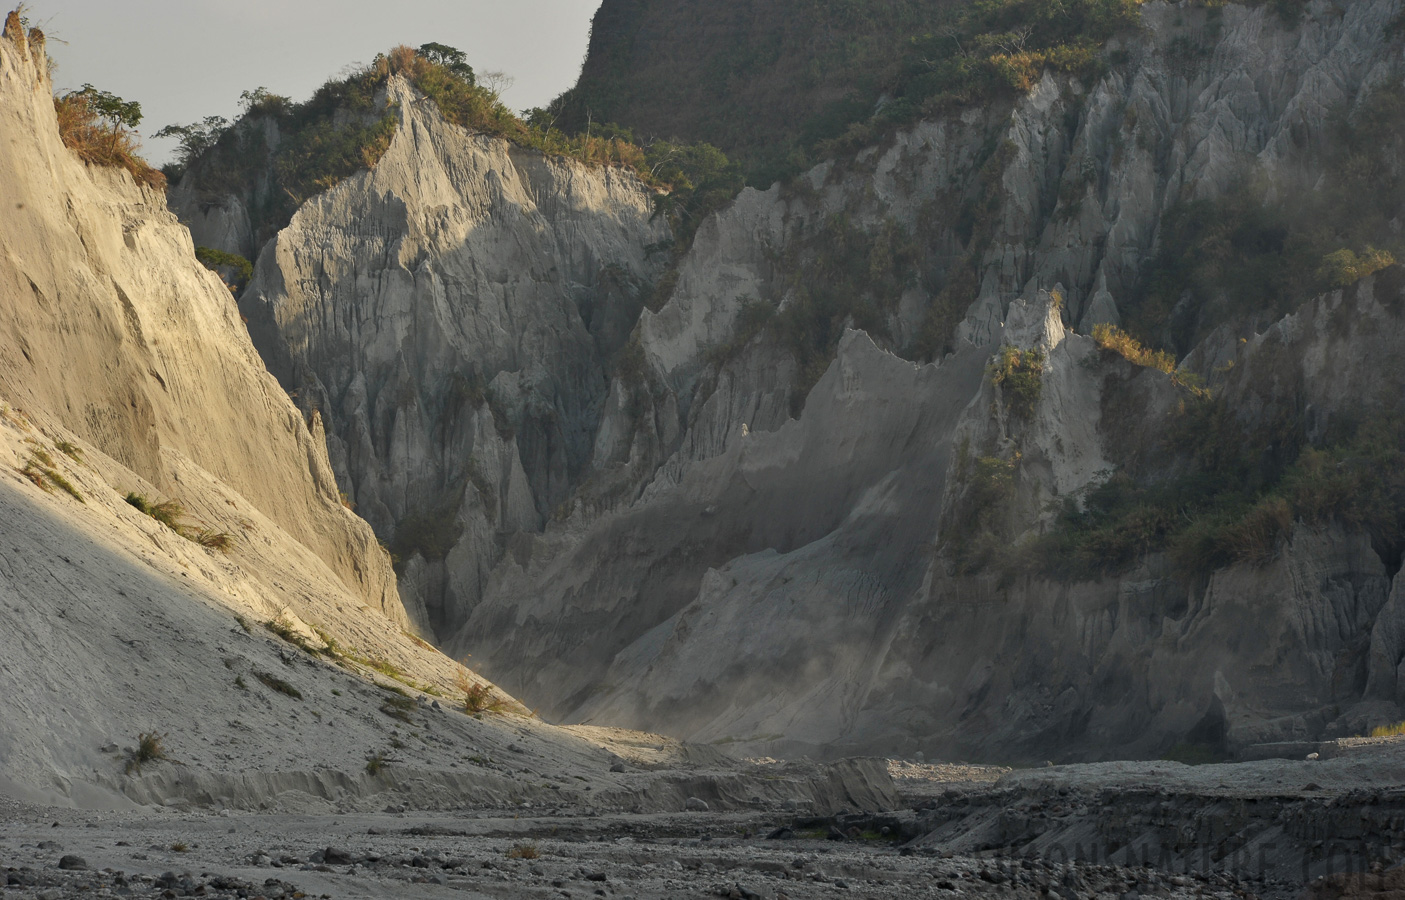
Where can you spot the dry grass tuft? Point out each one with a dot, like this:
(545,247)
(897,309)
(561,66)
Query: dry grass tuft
(1395,730)
(170,513)
(478,697)
(149,749)
(523,851)
(399,708)
(286,630)
(43,472)
(83,132)
(212,540)
(376,762)
(403,60)
(1115,340)
(15,417)
(274,683)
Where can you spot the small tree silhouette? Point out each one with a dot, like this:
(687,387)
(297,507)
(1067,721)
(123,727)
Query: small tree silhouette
(118,113)
(450,58)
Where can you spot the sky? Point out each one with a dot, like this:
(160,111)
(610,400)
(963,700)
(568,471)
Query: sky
(183,60)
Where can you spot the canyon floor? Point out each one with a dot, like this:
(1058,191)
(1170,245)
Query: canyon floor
(1277,828)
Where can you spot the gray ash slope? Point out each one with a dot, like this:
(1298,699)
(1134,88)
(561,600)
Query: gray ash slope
(731,541)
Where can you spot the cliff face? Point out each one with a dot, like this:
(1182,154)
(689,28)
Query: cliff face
(790,581)
(756,519)
(125,369)
(115,332)
(453,312)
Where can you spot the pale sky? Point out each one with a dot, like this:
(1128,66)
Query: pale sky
(187,59)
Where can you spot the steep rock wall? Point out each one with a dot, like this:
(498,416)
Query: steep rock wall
(451,313)
(882,647)
(720,541)
(112,328)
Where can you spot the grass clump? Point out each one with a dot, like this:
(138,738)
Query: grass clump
(384,667)
(222,541)
(1019,376)
(274,683)
(1114,340)
(377,762)
(330,646)
(399,708)
(1393,730)
(70,450)
(287,631)
(40,470)
(15,417)
(149,749)
(478,697)
(171,512)
(523,851)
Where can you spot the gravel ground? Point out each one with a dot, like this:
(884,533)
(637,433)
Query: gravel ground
(50,854)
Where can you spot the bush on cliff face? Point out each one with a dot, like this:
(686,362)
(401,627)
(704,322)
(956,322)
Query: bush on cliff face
(240,269)
(1115,340)
(97,126)
(338,132)
(1019,374)
(973,532)
(192,141)
(1342,268)
(1255,253)
(1234,506)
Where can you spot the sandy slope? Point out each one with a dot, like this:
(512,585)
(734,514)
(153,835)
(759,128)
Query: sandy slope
(118,626)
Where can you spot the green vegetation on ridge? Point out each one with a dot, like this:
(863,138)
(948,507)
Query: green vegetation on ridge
(1237,503)
(281,153)
(1263,248)
(784,85)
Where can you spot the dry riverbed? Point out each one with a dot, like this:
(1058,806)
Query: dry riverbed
(1274,829)
(48,854)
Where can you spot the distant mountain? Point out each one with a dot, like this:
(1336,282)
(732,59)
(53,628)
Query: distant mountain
(753,77)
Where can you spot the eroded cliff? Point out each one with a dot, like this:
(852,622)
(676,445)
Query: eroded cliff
(761,515)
